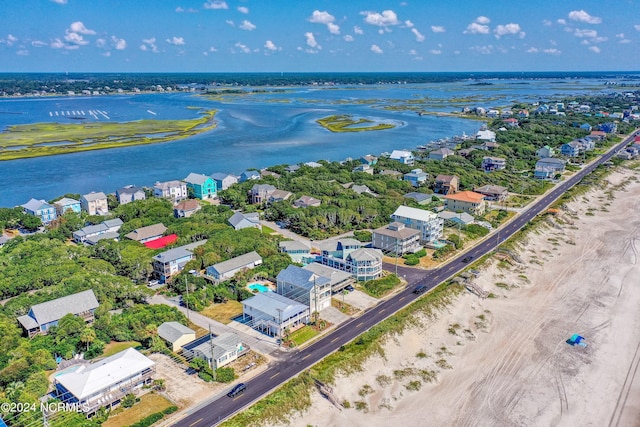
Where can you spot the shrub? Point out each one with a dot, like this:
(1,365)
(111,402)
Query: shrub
(412,260)
(128,401)
(170,410)
(225,375)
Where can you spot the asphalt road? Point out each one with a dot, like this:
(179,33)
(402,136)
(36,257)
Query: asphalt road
(295,362)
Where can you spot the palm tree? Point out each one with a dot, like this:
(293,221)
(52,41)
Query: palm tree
(87,336)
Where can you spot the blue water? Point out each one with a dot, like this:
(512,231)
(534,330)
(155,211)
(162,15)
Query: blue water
(67,371)
(254,131)
(258,287)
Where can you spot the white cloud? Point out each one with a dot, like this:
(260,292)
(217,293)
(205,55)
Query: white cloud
(38,43)
(595,49)
(582,16)
(561,21)
(176,41)
(106,54)
(333,28)
(482,20)
(484,50)
(59,44)
(435,51)
(637,27)
(60,1)
(508,29)
(22,52)
(75,38)
(246,25)
(270,45)
(119,44)
(476,28)
(190,10)
(243,9)
(546,23)
(419,37)
(215,4)
(11,39)
(311,41)
(620,35)
(585,33)
(243,47)
(624,41)
(318,17)
(552,51)
(375,48)
(149,45)
(348,38)
(408,23)
(387,17)
(359,31)
(230,22)
(78,27)
(532,50)
(101,43)
(413,52)
(213,49)
(438,29)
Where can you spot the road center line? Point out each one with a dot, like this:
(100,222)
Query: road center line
(359,324)
(274,375)
(335,339)
(402,298)
(306,356)
(194,423)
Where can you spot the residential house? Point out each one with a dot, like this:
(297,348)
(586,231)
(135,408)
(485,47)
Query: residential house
(129,194)
(337,278)
(488,146)
(391,173)
(465,201)
(95,203)
(224,180)
(586,126)
(440,154)
(176,335)
(493,192)
(227,269)
(456,218)
(217,351)
(548,168)
(306,202)
(416,177)
(348,255)
(446,184)
(292,168)
(493,163)
(587,144)
(299,251)
(305,287)
(486,135)
(511,122)
(92,234)
(40,209)
(466,152)
(272,313)
(203,186)
(106,382)
(397,239)
(171,262)
(402,156)
(426,222)
(249,176)
(369,160)
(65,205)
(265,173)
(279,196)
(147,234)
(260,193)
(364,168)
(186,208)
(545,152)
(420,198)
(598,135)
(571,149)
(241,220)
(493,113)
(313,164)
(41,317)
(523,114)
(173,190)
(363,189)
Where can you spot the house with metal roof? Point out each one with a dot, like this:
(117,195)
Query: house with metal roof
(148,233)
(249,176)
(130,193)
(95,203)
(305,286)
(241,220)
(456,218)
(440,154)
(403,156)
(40,209)
(91,234)
(104,383)
(427,222)
(298,251)
(396,238)
(420,198)
(41,317)
(66,204)
(171,262)
(227,269)
(176,334)
(218,351)
(224,180)
(272,313)
(337,278)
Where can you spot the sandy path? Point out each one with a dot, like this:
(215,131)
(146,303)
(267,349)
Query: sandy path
(504,361)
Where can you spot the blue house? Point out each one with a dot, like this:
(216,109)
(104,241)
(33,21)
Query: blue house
(416,177)
(65,205)
(203,186)
(249,175)
(571,149)
(41,209)
(369,160)
(586,126)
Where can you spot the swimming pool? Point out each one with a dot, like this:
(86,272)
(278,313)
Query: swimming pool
(259,287)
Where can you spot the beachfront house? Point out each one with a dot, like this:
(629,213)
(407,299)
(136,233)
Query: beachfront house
(493,192)
(369,160)
(348,255)
(548,168)
(95,203)
(299,251)
(249,176)
(40,209)
(186,208)
(402,156)
(426,222)
(396,239)
(176,335)
(490,163)
(202,186)
(241,220)
(173,190)
(227,269)
(41,317)
(66,204)
(571,149)
(305,286)
(337,278)
(171,262)
(456,218)
(486,135)
(129,194)
(104,383)
(217,351)
(363,168)
(92,234)
(465,201)
(440,154)
(272,313)
(416,177)
(446,184)
(224,180)
(148,233)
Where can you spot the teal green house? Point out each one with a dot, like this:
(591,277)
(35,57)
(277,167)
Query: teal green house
(203,186)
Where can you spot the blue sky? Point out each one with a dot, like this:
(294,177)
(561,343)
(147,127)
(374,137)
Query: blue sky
(318,35)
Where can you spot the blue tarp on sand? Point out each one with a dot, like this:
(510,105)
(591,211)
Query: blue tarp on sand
(577,339)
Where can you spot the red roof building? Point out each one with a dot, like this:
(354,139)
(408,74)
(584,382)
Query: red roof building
(162,242)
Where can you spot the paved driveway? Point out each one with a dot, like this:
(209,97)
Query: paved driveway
(360,300)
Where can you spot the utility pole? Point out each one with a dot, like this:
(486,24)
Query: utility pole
(186,285)
(211,364)
(315,291)
(396,257)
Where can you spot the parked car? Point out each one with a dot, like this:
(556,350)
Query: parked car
(420,289)
(240,388)
(467,259)
(349,288)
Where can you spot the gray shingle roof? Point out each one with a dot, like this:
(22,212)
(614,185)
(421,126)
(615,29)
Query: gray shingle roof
(177,253)
(366,254)
(94,196)
(301,277)
(172,331)
(146,232)
(238,217)
(35,205)
(333,274)
(222,344)
(196,178)
(56,309)
(294,245)
(237,262)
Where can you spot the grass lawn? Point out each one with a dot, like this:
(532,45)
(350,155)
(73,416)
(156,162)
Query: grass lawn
(199,330)
(149,404)
(267,230)
(379,287)
(116,347)
(303,334)
(223,312)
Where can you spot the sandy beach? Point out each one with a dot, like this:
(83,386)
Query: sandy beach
(504,361)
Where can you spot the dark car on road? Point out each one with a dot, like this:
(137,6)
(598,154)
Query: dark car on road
(420,289)
(240,388)
(467,259)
